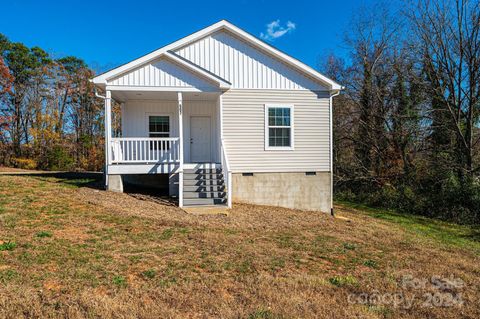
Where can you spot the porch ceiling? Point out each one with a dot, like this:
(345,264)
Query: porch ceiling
(123,96)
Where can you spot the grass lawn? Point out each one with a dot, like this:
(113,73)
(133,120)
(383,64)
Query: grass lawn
(70,250)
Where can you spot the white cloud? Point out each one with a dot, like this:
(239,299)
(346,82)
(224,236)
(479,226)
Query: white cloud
(275,30)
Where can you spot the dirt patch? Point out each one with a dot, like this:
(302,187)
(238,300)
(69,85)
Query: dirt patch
(72,233)
(12,169)
(52,285)
(242,216)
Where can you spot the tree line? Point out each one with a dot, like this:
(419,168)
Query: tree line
(49,115)
(406,129)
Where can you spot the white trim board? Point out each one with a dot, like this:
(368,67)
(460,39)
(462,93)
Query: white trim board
(138,168)
(175,89)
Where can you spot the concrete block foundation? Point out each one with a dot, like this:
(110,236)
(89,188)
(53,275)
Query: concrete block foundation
(292,190)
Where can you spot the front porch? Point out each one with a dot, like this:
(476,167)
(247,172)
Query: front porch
(144,155)
(164,132)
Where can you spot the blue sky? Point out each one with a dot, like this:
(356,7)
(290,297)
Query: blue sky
(108,33)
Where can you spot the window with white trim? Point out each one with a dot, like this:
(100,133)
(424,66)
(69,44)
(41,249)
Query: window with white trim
(159,126)
(278,127)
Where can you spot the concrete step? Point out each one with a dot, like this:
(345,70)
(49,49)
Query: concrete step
(201,165)
(203,201)
(203,171)
(203,182)
(191,176)
(203,185)
(203,195)
(204,188)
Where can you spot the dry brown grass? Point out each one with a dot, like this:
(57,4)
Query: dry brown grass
(84,253)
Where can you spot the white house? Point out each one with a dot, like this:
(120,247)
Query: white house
(223,116)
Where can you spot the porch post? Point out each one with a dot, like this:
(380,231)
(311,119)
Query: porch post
(180,137)
(108,132)
(122,118)
(223,156)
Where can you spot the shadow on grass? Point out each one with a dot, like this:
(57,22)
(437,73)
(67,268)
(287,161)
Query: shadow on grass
(150,188)
(75,179)
(95,180)
(448,233)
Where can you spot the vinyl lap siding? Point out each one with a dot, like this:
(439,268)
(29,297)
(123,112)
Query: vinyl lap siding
(244,131)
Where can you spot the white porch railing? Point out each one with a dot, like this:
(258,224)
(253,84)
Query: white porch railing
(227,175)
(145,150)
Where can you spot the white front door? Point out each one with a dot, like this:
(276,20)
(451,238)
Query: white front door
(200,133)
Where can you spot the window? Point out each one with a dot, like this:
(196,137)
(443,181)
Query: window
(279,127)
(158,126)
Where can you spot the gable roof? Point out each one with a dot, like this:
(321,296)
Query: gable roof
(166,51)
(222,83)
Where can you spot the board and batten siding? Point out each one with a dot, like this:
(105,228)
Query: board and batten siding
(244,131)
(243,65)
(162,73)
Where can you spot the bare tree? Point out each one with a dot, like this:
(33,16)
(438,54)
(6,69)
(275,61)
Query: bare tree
(449,41)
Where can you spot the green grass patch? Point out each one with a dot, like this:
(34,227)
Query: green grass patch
(8,275)
(277,263)
(341,281)
(290,240)
(9,245)
(54,210)
(245,267)
(263,314)
(349,246)
(44,234)
(150,273)
(464,236)
(67,182)
(167,234)
(370,263)
(10,221)
(119,281)
(79,182)
(135,259)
